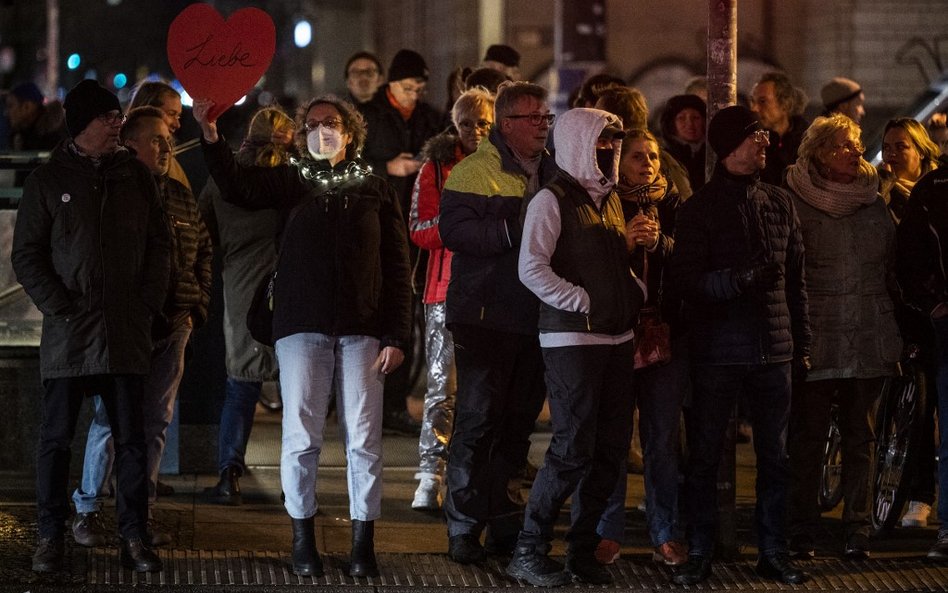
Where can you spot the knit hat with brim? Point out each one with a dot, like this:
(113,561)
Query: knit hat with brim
(838,91)
(85,102)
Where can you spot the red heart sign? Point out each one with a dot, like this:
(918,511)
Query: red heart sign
(219,60)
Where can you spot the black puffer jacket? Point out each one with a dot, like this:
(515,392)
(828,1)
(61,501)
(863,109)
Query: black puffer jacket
(728,225)
(922,244)
(343,268)
(191,253)
(91,249)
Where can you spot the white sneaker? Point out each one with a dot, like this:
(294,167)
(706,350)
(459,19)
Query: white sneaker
(428,494)
(917,514)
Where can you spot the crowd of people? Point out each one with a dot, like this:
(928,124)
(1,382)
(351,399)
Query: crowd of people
(787,278)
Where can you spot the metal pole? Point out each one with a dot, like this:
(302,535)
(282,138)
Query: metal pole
(722,92)
(52,47)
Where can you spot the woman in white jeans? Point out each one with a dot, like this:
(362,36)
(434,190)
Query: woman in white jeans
(341,308)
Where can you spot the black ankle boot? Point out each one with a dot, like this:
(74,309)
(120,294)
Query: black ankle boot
(306,562)
(227,489)
(362,560)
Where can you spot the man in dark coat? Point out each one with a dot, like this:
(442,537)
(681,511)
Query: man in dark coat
(399,123)
(185,308)
(738,263)
(91,249)
(779,105)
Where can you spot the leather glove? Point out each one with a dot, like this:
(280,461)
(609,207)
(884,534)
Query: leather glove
(762,276)
(799,368)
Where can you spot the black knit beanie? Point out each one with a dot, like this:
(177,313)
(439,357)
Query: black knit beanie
(729,127)
(85,102)
(407,64)
(504,54)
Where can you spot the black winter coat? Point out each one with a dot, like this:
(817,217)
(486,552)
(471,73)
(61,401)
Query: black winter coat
(91,249)
(922,244)
(343,266)
(390,135)
(728,225)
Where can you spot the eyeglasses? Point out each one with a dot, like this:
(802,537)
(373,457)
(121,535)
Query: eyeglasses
(330,122)
(364,72)
(467,125)
(535,118)
(113,118)
(761,136)
(848,147)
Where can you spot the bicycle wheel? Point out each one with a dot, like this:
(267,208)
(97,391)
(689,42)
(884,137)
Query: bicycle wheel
(897,436)
(831,483)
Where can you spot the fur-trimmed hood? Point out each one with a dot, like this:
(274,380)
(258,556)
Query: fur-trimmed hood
(442,147)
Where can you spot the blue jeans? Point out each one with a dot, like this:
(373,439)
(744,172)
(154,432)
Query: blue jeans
(941,384)
(240,402)
(659,393)
(160,392)
(766,390)
(311,365)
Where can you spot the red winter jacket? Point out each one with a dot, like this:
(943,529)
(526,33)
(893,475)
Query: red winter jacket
(441,152)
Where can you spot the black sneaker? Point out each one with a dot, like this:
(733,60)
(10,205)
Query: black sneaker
(466,549)
(937,552)
(779,567)
(857,547)
(88,531)
(587,569)
(48,556)
(537,569)
(696,570)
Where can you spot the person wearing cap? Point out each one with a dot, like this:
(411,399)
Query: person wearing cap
(148,137)
(779,105)
(91,249)
(503,58)
(842,95)
(35,124)
(399,124)
(738,265)
(574,256)
(493,320)
(363,77)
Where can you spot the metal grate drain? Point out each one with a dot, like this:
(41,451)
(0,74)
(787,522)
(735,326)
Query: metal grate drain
(434,571)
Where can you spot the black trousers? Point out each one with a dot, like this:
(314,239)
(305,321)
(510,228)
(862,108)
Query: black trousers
(591,403)
(122,397)
(499,396)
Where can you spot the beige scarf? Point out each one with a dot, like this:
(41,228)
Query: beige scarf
(833,198)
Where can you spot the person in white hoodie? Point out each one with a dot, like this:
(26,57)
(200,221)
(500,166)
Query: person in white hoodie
(574,256)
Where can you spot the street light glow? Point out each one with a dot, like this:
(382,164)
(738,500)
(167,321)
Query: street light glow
(302,33)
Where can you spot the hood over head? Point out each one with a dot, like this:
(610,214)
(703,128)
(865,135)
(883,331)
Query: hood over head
(575,137)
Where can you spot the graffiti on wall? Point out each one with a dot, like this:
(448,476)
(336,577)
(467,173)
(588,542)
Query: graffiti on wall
(929,56)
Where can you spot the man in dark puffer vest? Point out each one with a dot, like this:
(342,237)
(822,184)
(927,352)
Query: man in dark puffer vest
(185,308)
(738,263)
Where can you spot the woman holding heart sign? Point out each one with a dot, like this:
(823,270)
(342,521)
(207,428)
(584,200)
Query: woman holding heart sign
(342,308)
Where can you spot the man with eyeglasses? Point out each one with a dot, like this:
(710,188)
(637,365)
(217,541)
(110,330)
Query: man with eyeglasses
(363,77)
(91,249)
(493,319)
(738,265)
(399,123)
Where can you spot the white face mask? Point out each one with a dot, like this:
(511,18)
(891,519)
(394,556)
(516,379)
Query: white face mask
(324,143)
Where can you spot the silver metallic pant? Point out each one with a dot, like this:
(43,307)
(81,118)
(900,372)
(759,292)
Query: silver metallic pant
(438,419)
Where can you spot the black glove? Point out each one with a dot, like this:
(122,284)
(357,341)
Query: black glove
(762,276)
(799,368)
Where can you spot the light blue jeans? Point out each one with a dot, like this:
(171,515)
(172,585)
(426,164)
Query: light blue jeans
(311,365)
(160,393)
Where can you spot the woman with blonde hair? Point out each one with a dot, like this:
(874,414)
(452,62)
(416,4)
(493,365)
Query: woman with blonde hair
(245,239)
(908,153)
(850,249)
